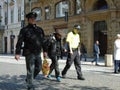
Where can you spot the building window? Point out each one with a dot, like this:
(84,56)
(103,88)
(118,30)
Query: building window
(47,13)
(19,14)
(78,6)
(61,8)
(100,5)
(12,16)
(39,13)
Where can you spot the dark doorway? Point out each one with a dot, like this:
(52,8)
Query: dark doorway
(5,43)
(100,5)
(100,34)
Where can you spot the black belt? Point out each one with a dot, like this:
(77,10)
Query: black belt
(74,49)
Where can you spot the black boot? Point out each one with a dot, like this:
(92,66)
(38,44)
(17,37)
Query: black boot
(81,78)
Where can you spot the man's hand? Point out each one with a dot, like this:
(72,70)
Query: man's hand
(65,50)
(17,57)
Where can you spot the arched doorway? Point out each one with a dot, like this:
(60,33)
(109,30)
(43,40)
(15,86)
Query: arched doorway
(100,5)
(100,34)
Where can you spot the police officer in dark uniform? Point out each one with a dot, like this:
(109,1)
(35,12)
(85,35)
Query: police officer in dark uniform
(32,37)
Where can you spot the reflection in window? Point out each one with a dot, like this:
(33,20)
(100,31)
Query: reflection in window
(78,7)
(47,13)
(38,11)
(61,8)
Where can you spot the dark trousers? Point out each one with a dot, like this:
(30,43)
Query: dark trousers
(116,65)
(54,65)
(33,66)
(75,57)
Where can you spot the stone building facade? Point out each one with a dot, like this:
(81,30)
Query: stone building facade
(12,17)
(99,20)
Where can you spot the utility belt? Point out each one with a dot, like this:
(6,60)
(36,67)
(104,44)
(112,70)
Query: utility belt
(74,49)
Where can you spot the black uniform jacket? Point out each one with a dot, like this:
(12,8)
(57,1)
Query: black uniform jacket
(30,39)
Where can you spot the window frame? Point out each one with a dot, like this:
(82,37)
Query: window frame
(61,10)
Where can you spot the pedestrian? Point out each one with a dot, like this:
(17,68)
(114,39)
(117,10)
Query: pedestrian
(73,40)
(83,52)
(54,53)
(32,36)
(117,54)
(96,52)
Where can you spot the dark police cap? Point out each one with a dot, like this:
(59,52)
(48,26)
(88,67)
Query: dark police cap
(31,15)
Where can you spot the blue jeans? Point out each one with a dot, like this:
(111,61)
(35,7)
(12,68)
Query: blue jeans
(96,58)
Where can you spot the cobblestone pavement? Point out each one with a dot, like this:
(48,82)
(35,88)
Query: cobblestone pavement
(13,74)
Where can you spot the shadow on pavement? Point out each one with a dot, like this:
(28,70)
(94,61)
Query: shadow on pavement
(90,88)
(15,82)
(8,82)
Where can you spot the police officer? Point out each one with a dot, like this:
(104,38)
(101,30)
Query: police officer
(32,36)
(73,40)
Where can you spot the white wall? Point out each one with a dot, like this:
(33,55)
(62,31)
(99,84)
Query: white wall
(15,26)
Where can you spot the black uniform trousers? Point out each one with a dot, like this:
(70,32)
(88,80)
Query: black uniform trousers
(75,57)
(54,65)
(33,66)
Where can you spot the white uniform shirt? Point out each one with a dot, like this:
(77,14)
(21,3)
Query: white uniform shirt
(117,49)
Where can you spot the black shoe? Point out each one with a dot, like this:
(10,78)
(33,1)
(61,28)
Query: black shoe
(92,62)
(63,75)
(26,80)
(81,78)
(97,64)
(30,88)
(116,72)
